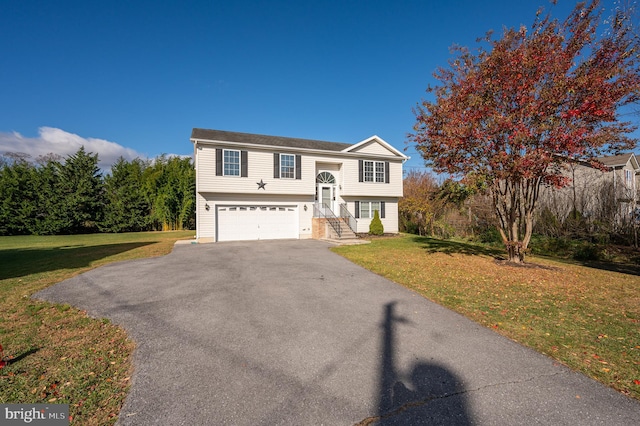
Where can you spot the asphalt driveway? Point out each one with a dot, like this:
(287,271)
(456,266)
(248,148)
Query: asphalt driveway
(287,332)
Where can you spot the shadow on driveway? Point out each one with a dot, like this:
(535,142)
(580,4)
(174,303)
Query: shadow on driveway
(434,395)
(20,262)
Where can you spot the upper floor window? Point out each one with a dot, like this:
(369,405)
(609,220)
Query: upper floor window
(287,166)
(368,171)
(628,178)
(231,162)
(374,171)
(379,171)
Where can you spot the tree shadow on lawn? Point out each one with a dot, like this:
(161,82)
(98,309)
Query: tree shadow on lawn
(622,268)
(433,245)
(15,263)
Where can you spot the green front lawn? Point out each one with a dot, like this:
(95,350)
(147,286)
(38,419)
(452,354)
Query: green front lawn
(55,353)
(585,317)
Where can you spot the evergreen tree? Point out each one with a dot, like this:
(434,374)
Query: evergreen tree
(376,227)
(126,207)
(80,191)
(17,210)
(48,211)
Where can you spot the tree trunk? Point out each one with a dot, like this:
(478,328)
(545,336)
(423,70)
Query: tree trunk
(514,204)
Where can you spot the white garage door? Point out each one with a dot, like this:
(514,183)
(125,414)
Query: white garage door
(237,223)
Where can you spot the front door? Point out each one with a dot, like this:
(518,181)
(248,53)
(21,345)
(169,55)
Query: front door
(326,194)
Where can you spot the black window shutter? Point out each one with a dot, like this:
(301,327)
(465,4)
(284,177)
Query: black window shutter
(357,212)
(386,172)
(276,165)
(381,209)
(218,162)
(298,167)
(244,164)
(360,177)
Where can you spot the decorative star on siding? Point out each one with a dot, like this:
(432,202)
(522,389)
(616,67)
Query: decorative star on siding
(261,185)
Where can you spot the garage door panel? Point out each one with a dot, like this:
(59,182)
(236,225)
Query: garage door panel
(238,223)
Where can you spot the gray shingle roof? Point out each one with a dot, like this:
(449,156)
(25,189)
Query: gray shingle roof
(615,160)
(222,135)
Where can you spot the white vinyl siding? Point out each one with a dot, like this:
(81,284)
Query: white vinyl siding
(352,187)
(261,167)
(373,148)
(390,220)
(205,221)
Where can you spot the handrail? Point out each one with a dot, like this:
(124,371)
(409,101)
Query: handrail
(329,215)
(344,213)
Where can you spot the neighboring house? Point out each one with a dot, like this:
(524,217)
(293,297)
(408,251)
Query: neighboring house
(605,195)
(254,187)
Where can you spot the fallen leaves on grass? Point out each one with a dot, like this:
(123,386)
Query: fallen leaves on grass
(564,310)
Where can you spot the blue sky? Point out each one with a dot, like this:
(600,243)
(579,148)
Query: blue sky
(133,78)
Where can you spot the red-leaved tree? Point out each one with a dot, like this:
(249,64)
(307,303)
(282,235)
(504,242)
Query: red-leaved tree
(509,118)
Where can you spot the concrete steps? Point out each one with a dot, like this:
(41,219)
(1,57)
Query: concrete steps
(345,232)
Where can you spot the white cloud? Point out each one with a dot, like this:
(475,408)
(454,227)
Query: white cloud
(57,141)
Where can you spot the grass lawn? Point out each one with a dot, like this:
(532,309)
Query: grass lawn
(55,353)
(585,317)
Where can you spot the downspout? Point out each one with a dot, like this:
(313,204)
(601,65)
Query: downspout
(195,165)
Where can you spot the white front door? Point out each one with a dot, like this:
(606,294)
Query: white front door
(326,195)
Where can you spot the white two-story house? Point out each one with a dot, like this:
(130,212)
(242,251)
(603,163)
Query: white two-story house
(255,187)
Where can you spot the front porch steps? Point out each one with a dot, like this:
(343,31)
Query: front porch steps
(345,232)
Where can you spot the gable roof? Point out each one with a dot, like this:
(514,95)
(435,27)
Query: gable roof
(619,160)
(250,138)
(378,139)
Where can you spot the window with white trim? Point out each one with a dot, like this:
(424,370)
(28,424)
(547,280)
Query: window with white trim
(628,177)
(380,171)
(287,166)
(368,207)
(231,162)
(368,171)
(374,171)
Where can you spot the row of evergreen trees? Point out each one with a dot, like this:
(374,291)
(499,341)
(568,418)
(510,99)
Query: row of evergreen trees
(52,195)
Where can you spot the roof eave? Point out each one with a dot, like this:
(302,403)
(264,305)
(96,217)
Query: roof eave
(381,142)
(293,149)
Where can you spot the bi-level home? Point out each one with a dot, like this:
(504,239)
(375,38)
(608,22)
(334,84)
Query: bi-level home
(255,187)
